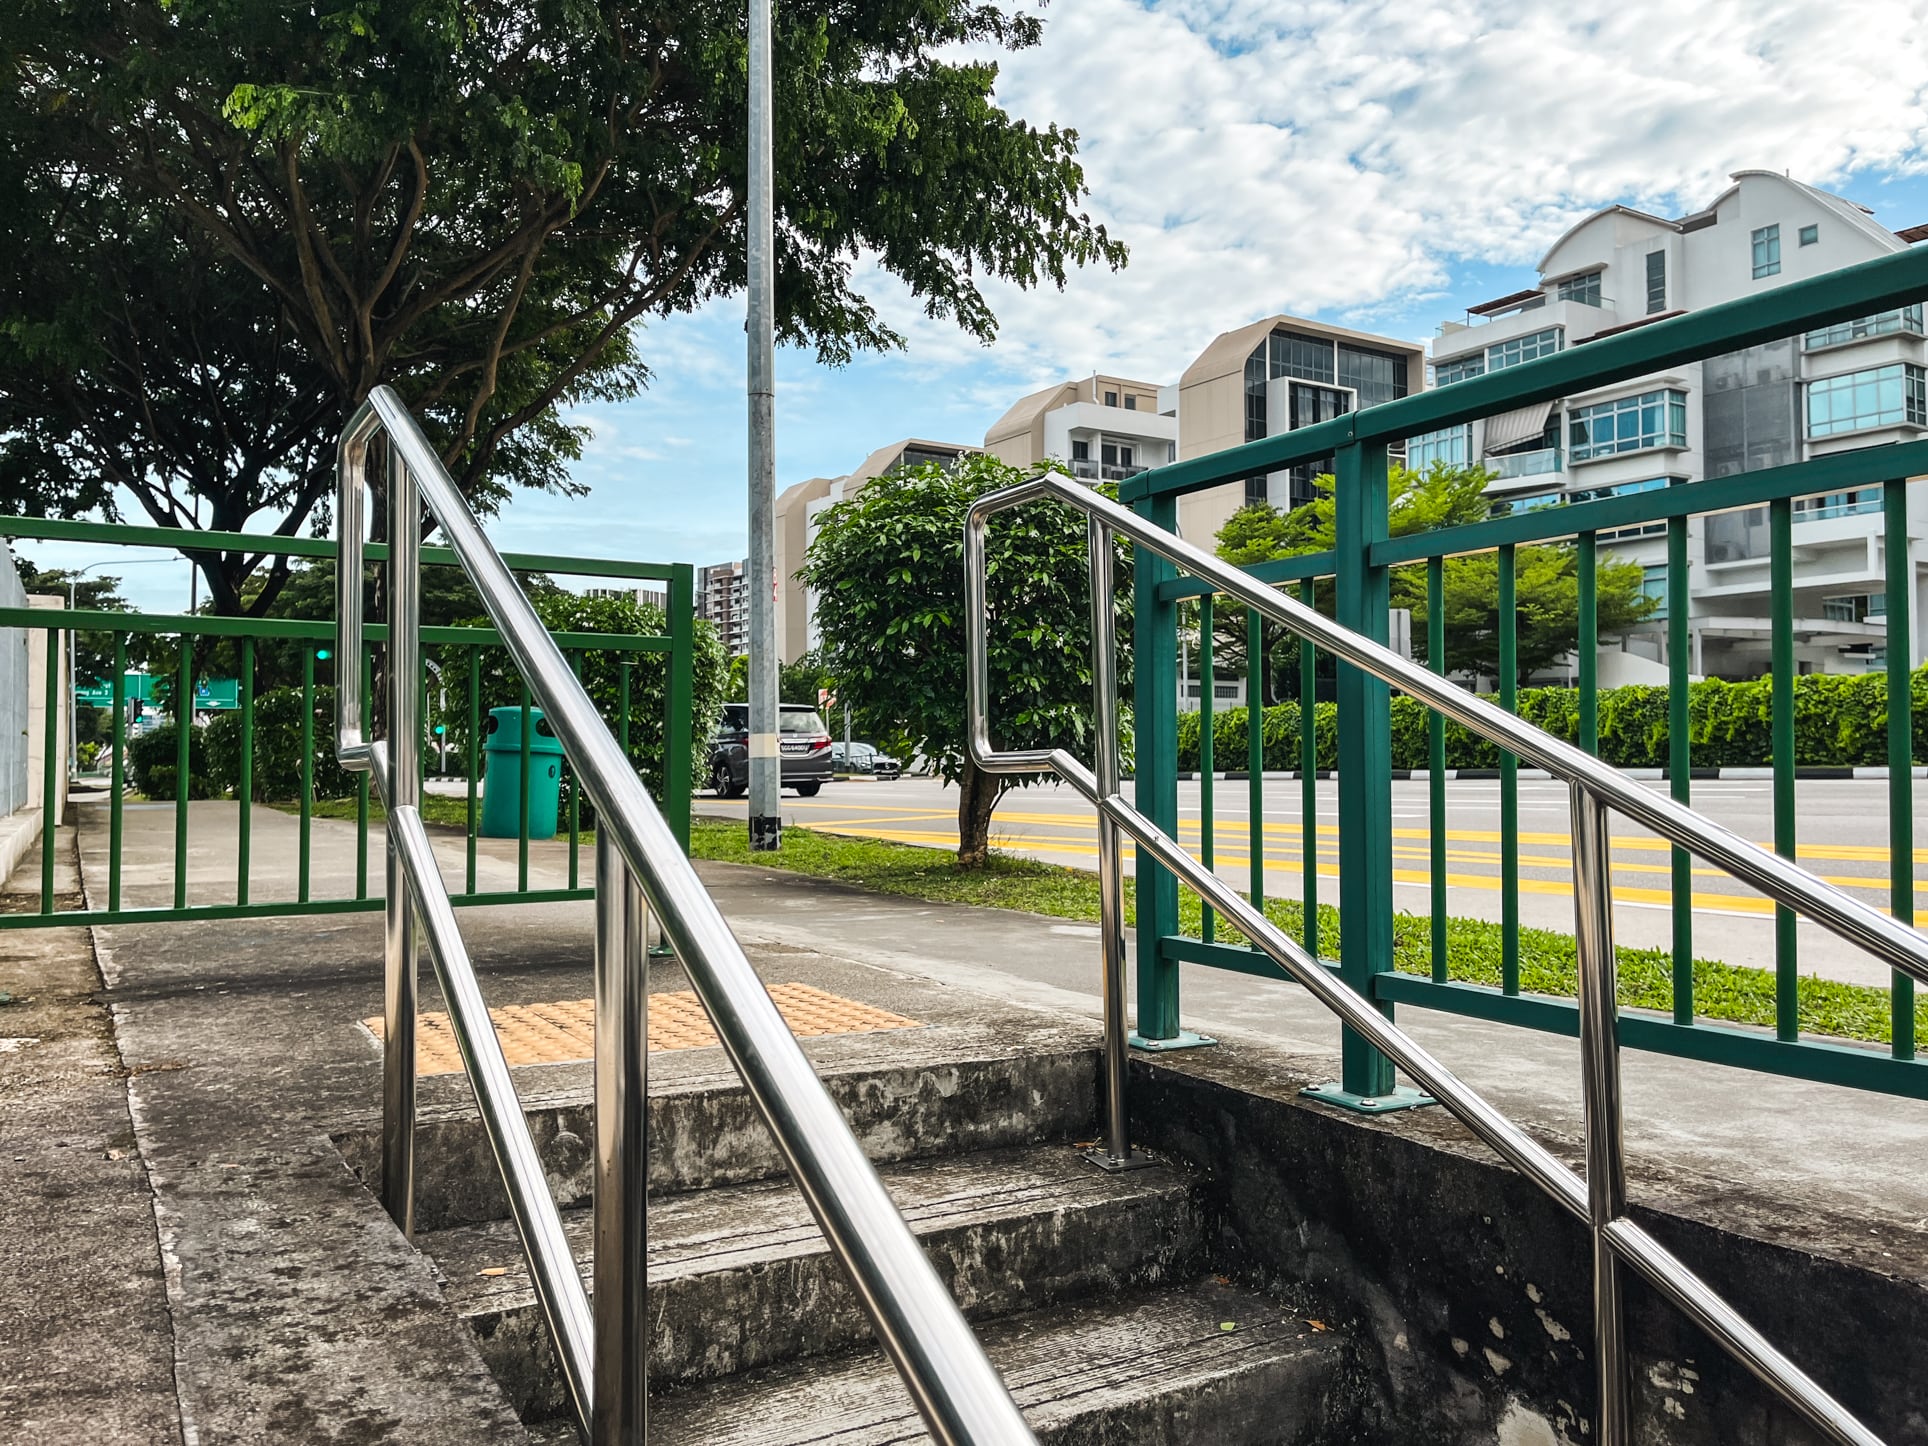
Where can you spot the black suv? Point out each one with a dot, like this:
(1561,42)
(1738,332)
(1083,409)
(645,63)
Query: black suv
(804,740)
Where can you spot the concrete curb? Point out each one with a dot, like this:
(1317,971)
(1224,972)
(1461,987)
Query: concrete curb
(1487,775)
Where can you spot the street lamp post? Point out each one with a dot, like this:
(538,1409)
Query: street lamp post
(766,763)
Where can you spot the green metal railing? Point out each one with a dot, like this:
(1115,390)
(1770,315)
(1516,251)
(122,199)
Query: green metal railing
(186,640)
(1357,572)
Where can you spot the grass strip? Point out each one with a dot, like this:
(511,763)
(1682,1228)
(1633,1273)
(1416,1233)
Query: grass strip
(1730,993)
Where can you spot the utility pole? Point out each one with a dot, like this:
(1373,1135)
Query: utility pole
(766,762)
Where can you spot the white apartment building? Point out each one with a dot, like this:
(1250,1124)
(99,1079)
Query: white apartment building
(797,509)
(1104,428)
(1856,384)
(647,596)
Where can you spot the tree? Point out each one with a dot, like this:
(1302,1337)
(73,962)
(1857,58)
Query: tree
(221,225)
(888,569)
(93,652)
(1546,578)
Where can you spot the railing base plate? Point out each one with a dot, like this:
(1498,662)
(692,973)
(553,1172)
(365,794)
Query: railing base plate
(1399,1098)
(1184,1039)
(1104,1160)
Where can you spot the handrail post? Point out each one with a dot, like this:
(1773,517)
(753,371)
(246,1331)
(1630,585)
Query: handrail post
(1111,884)
(622,1151)
(1600,1080)
(404,790)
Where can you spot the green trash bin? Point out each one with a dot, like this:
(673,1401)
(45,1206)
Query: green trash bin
(502,782)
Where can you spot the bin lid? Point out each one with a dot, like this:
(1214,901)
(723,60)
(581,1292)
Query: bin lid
(503,732)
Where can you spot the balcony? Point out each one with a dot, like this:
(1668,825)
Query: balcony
(1087,470)
(1526,464)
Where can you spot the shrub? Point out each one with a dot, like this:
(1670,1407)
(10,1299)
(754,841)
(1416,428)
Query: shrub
(1840,721)
(151,763)
(277,748)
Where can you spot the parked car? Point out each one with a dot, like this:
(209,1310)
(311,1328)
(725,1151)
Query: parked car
(865,758)
(801,737)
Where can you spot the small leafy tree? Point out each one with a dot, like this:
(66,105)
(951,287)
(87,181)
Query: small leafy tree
(1546,579)
(888,569)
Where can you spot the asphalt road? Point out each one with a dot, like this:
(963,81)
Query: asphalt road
(1842,828)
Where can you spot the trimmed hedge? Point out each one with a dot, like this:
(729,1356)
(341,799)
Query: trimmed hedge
(1840,721)
(151,763)
(277,748)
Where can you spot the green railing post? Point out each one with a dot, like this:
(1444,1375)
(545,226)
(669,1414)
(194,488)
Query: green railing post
(1436,767)
(1901,778)
(305,859)
(1365,776)
(1680,772)
(245,834)
(118,782)
(1780,545)
(1154,639)
(1509,619)
(50,772)
(183,735)
(1207,756)
(678,740)
(1309,780)
(1255,751)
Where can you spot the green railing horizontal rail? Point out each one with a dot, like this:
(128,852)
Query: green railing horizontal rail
(1360,566)
(461,649)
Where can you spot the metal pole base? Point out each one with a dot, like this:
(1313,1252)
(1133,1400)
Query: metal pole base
(1184,1039)
(1401,1097)
(1111,1164)
(766,833)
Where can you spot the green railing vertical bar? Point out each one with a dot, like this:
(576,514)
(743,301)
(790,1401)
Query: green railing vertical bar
(522,802)
(1255,750)
(117,782)
(361,779)
(50,771)
(1901,773)
(1587,645)
(1680,755)
(1309,779)
(244,844)
(1509,776)
(305,858)
(678,739)
(1207,696)
(575,795)
(475,758)
(1436,766)
(1365,759)
(1154,627)
(183,734)
(1780,532)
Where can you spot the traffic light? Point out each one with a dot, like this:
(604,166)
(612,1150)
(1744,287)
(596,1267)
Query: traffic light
(440,729)
(322,655)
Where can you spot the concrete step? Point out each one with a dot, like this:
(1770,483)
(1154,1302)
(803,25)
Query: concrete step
(907,1094)
(740,1278)
(1160,1369)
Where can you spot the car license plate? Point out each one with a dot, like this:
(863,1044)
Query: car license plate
(796,748)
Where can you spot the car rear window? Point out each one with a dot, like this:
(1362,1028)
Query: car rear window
(799,720)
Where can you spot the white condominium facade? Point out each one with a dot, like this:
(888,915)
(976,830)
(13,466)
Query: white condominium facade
(1856,384)
(1104,428)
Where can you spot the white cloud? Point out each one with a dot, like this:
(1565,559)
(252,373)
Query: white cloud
(1274,155)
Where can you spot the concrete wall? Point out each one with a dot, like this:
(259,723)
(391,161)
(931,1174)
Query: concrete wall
(14,672)
(38,641)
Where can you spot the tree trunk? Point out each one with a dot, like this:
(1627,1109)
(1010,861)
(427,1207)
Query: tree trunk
(977,795)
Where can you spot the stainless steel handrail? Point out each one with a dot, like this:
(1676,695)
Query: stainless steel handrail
(950,1380)
(1599,1200)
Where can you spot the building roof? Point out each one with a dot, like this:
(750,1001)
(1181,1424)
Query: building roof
(1228,350)
(1025,411)
(885,458)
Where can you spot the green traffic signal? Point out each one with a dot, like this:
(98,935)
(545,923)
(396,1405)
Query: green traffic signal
(440,729)
(322,655)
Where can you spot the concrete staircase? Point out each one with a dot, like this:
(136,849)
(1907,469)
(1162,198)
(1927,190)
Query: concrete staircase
(1094,1293)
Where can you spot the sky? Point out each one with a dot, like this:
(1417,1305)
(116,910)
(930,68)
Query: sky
(1381,164)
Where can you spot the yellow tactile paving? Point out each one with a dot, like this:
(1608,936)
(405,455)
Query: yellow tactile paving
(560,1032)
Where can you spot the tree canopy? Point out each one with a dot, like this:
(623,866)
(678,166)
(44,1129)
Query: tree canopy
(1546,578)
(222,224)
(887,567)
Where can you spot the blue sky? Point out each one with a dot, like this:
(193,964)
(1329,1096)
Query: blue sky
(1377,164)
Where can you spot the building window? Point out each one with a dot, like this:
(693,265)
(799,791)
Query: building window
(1629,424)
(1583,289)
(1131,402)
(1887,396)
(1080,450)
(1111,399)
(1459,369)
(1527,348)
(1656,281)
(1451,445)
(1837,504)
(1653,584)
(1377,376)
(1810,234)
(1308,358)
(1767,252)
(1906,318)
(1855,608)
(1627,489)
(1512,506)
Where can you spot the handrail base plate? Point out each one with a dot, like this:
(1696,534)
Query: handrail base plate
(1184,1039)
(1401,1097)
